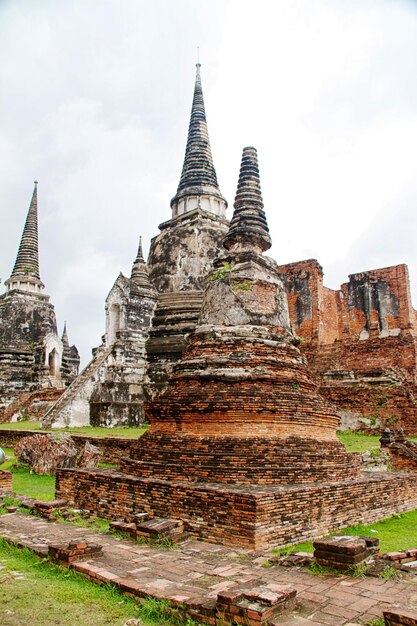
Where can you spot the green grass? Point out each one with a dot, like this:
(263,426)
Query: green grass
(33,591)
(358,441)
(398,532)
(94,431)
(39,486)
(26,425)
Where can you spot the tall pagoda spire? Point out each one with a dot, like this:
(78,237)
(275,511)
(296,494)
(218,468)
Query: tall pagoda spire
(248,228)
(25,275)
(198,187)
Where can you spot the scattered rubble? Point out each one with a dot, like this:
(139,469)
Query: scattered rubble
(46,453)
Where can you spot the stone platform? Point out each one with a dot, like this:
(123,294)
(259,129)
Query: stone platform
(196,573)
(257,516)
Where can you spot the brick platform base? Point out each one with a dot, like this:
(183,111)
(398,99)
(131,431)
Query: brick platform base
(246,516)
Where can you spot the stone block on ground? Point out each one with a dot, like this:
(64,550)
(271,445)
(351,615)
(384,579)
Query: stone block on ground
(90,456)
(343,552)
(255,605)
(398,617)
(73,551)
(159,528)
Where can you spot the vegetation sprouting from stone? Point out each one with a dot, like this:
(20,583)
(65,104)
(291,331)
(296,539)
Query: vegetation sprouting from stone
(223,273)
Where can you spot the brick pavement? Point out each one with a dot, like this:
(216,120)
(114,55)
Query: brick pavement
(195,572)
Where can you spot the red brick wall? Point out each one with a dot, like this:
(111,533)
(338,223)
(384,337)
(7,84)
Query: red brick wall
(113,447)
(242,516)
(361,341)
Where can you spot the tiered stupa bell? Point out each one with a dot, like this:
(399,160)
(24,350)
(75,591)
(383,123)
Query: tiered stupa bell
(241,406)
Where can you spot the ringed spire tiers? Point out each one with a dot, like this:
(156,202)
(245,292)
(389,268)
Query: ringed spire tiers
(139,269)
(248,228)
(25,275)
(198,187)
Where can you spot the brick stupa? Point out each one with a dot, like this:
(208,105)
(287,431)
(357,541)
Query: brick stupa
(241,447)
(241,406)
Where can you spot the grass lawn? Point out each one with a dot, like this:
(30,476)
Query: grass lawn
(38,486)
(398,532)
(94,431)
(358,441)
(33,591)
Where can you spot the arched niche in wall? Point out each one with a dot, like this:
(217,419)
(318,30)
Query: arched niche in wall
(53,363)
(115,317)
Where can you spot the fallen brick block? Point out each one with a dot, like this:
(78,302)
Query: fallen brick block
(343,552)
(254,606)
(73,551)
(398,617)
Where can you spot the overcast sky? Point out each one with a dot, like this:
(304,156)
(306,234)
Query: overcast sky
(95,104)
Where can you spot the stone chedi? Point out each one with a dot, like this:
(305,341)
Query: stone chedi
(32,355)
(182,255)
(241,448)
(109,391)
(241,405)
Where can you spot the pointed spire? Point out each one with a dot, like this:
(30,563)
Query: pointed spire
(26,267)
(139,256)
(27,260)
(248,228)
(64,337)
(198,174)
(139,269)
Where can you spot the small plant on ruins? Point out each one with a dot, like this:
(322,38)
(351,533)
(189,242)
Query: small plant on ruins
(158,610)
(388,573)
(245,285)
(166,543)
(381,400)
(359,570)
(295,387)
(222,273)
(389,421)
(297,339)
(23,416)
(320,570)
(376,622)
(30,269)
(32,345)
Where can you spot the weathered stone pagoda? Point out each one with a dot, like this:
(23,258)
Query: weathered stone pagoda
(111,389)
(241,447)
(182,254)
(32,356)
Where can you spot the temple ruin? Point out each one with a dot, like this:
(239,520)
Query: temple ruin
(35,364)
(242,449)
(360,340)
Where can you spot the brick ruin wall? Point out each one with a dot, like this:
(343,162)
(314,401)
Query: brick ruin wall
(113,448)
(250,518)
(360,341)
(27,405)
